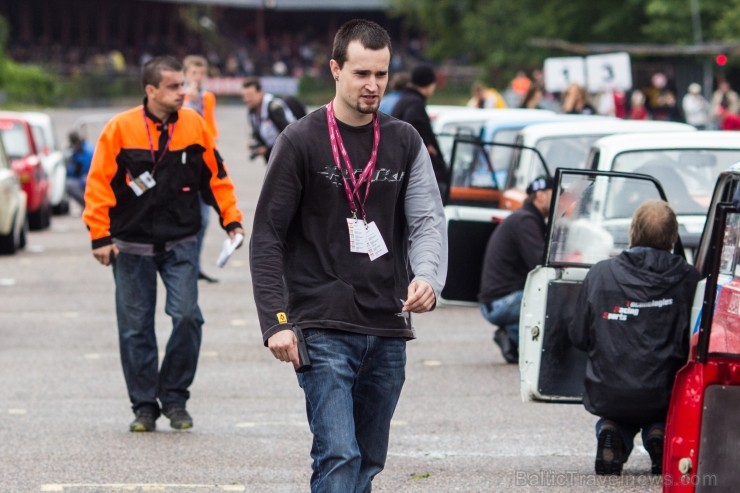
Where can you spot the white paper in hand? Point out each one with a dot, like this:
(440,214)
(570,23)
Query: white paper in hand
(228,248)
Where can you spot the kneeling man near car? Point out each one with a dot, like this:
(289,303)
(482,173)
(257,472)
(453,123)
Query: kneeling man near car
(633,319)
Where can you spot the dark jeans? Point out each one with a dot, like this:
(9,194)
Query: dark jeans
(504,312)
(351,392)
(136,297)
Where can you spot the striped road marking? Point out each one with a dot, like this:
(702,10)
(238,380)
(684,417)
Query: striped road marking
(141,487)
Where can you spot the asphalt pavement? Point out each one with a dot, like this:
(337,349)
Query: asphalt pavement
(460,425)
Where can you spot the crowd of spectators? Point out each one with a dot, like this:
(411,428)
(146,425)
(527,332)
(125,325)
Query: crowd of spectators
(280,53)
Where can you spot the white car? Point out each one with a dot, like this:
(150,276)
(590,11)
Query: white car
(483,190)
(450,121)
(13,224)
(564,145)
(52,159)
(589,222)
(686,164)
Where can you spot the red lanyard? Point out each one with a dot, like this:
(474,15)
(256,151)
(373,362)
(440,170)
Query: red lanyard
(337,146)
(170,132)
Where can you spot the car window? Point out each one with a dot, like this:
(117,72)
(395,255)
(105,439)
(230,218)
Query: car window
(724,337)
(447,133)
(4,162)
(15,140)
(566,152)
(40,138)
(591,217)
(501,155)
(471,167)
(687,175)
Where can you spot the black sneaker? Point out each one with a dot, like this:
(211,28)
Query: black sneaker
(508,348)
(609,450)
(202,276)
(144,421)
(654,447)
(179,418)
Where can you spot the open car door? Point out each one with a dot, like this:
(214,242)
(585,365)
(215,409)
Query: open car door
(589,221)
(473,211)
(703,424)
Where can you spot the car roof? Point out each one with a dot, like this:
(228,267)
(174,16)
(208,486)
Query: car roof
(612,145)
(524,121)
(36,117)
(532,134)
(12,115)
(463,114)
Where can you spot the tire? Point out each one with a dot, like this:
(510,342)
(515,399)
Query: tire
(62,208)
(7,242)
(40,219)
(24,235)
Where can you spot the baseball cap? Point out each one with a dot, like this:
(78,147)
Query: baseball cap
(542,182)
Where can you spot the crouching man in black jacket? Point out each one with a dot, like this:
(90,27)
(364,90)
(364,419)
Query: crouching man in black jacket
(633,319)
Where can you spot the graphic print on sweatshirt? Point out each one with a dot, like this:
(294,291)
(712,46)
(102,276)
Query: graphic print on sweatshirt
(331,173)
(632,308)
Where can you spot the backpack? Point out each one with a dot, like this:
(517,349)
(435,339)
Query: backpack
(296,106)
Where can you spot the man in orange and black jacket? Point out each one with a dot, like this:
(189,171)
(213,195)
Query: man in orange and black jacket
(142,210)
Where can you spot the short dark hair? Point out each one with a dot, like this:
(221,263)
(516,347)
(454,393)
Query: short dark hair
(151,72)
(194,61)
(371,35)
(654,225)
(252,82)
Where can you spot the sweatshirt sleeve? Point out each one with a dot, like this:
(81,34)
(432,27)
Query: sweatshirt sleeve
(276,207)
(426,223)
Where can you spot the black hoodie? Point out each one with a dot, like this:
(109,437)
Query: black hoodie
(633,320)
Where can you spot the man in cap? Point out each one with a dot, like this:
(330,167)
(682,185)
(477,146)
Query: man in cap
(514,249)
(411,108)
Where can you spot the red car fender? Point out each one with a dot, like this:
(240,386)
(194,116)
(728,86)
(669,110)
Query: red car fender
(683,425)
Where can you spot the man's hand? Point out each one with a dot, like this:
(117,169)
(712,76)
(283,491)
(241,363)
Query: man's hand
(105,254)
(420,297)
(284,346)
(235,232)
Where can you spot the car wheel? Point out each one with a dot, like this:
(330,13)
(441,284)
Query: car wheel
(23,236)
(40,219)
(62,208)
(7,242)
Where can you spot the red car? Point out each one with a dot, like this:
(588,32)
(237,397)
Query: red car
(25,155)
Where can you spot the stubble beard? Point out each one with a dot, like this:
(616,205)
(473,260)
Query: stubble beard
(366,109)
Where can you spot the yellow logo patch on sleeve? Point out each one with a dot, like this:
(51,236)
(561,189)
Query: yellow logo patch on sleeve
(282,318)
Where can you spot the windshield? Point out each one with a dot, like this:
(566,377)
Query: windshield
(557,151)
(566,152)
(687,175)
(15,140)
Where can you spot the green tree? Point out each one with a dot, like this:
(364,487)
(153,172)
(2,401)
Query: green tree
(496,34)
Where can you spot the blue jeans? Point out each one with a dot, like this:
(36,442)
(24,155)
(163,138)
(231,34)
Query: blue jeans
(136,297)
(351,393)
(504,313)
(628,433)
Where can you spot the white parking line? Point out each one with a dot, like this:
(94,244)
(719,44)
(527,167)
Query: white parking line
(140,487)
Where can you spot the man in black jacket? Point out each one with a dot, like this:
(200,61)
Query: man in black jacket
(633,319)
(515,248)
(411,108)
